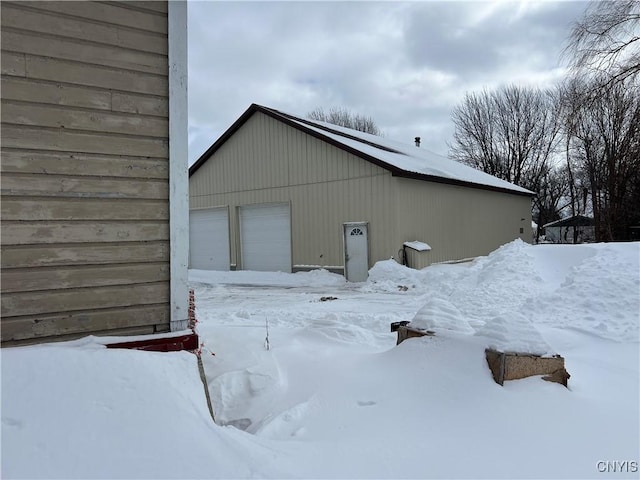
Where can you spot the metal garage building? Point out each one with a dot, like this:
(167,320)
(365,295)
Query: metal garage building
(279,192)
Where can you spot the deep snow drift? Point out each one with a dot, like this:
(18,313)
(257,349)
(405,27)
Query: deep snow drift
(334,397)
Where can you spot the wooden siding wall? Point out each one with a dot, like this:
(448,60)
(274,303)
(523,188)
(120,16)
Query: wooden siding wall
(85,232)
(459,222)
(267,161)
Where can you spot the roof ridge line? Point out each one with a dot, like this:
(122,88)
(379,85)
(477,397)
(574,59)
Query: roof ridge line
(320,132)
(335,132)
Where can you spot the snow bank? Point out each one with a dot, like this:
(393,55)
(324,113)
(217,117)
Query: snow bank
(508,294)
(334,397)
(318,277)
(600,295)
(514,333)
(440,315)
(80,410)
(388,275)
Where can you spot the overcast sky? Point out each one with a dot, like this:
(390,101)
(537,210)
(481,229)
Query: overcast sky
(404,64)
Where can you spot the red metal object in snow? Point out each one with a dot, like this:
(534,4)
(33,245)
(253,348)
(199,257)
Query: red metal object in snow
(161,344)
(168,344)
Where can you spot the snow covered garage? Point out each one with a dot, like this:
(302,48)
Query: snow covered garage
(301,194)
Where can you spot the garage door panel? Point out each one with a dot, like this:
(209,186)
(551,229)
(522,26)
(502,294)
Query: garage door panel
(265,236)
(209,239)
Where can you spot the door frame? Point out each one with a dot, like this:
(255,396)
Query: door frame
(345,226)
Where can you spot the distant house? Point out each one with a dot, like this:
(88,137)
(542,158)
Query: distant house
(576,229)
(94,172)
(279,192)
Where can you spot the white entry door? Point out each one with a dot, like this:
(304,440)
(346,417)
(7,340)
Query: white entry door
(356,251)
(209,239)
(265,237)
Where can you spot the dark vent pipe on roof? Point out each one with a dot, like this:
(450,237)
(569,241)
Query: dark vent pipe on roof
(417,141)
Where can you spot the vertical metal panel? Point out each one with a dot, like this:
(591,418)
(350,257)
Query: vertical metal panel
(268,161)
(460,222)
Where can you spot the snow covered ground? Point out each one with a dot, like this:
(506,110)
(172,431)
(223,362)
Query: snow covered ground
(334,397)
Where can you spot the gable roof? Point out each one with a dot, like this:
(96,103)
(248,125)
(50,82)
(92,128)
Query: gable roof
(400,159)
(575,221)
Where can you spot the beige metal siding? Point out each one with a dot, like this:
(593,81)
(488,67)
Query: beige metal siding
(459,222)
(267,161)
(85,197)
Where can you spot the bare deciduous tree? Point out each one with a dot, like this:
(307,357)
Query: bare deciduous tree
(552,196)
(603,148)
(606,42)
(345,118)
(511,133)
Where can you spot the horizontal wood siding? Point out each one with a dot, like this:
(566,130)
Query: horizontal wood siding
(83,165)
(21,209)
(20,256)
(68,325)
(58,278)
(85,195)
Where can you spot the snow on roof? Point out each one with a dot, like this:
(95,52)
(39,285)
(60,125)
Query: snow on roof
(576,220)
(418,246)
(403,156)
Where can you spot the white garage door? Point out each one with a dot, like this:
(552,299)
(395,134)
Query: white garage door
(265,236)
(209,239)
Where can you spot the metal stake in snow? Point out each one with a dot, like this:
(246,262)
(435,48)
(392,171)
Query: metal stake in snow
(266,339)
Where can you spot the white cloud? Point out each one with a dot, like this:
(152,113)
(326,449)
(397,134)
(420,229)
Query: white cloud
(404,64)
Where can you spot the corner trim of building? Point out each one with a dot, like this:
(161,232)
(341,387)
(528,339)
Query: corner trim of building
(178,165)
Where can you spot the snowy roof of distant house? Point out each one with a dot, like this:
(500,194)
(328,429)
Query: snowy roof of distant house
(575,221)
(401,159)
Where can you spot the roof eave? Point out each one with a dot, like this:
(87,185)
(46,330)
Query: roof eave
(574,221)
(395,171)
(451,181)
(223,138)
